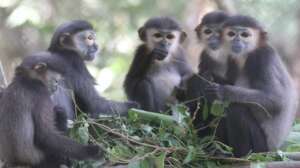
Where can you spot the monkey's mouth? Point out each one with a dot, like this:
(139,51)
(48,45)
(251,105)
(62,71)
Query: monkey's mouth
(214,44)
(161,52)
(237,48)
(161,55)
(91,54)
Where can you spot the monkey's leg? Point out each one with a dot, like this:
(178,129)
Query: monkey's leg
(258,137)
(54,161)
(238,129)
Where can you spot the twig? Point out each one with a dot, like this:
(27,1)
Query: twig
(108,129)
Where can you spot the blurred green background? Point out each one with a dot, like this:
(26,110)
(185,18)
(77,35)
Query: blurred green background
(26,26)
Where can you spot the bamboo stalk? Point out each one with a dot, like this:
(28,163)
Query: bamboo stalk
(141,115)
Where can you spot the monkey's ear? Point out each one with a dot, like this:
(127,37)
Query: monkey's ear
(183,36)
(20,70)
(142,33)
(40,67)
(64,38)
(263,38)
(198,28)
(264,35)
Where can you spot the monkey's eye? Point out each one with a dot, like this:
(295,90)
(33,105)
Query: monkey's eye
(157,35)
(170,36)
(231,34)
(245,34)
(207,31)
(90,37)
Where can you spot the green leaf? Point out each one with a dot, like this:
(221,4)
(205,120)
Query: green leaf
(159,161)
(83,134)
(145,163)
(121,151)
(205,111)
(190,156)
(218,108)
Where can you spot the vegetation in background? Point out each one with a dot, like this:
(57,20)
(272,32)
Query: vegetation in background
(29,24)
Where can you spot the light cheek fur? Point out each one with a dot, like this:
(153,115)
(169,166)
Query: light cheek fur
(250,42)
(150,40)
(174,46)
(80,46)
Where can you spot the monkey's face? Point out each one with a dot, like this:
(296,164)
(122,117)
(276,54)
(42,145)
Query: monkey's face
(210,35)
(162,43)
(41,73)
(53,79)
(240,40)
(49,77)
(83,43)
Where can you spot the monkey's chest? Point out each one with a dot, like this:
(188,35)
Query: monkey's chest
(242,81)
(220,70)
(165,81)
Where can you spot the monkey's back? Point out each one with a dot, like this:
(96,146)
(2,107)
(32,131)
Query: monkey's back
(16,127)
(273,78)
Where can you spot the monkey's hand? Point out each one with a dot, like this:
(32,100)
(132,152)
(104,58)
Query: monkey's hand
(94,152)
(179,93)
(61,118)
(214,91)
(207,75)
(133,104)
(159,53)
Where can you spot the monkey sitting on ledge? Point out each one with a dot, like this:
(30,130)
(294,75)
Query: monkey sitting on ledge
(29,134)
(261,92)
(159,64)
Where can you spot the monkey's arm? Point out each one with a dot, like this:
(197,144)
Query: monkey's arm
(47,138)
(61,119)
(206,67)
(91,102)
(137,86)
(270,101)
(143,92)
(268,81)
(205,63)
(62,97)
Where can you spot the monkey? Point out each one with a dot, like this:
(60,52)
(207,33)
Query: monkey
(211,67)
(262,96)
(159,64)
(29,136)
(72,44)
(212,60)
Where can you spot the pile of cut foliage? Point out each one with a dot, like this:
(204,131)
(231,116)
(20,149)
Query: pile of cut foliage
(152,140)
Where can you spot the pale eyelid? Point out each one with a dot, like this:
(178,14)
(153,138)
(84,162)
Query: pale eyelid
(170,36)
(157,35)
(207,31)
(245,34)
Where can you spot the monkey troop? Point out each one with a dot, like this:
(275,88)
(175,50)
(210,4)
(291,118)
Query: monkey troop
(237,65)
